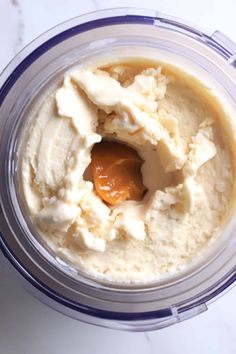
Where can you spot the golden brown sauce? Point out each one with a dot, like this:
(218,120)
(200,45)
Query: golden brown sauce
(116,171)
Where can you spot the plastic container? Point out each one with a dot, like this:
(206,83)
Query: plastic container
(136,308)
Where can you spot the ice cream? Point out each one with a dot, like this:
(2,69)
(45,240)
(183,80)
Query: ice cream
(177,128)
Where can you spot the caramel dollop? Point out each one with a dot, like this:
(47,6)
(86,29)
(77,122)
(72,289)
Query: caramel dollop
(116,172)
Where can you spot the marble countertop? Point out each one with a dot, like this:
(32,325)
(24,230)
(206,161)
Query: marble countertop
(26,325)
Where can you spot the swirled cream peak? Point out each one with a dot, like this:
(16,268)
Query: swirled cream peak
(71,103)
(131,122)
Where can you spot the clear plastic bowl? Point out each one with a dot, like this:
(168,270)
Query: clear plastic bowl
(107,33)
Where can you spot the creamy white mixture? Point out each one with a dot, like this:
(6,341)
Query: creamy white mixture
(176,126)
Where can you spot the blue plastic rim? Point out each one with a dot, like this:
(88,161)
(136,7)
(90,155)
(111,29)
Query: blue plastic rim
(73,31)
(4,90)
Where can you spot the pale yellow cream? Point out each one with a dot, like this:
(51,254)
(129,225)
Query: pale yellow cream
(177,127)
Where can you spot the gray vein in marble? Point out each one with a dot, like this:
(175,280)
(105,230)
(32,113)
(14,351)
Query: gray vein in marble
(147,339)
(146,335)
(20,28)
(95,3)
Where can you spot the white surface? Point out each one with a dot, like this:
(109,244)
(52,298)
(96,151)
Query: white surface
(27,326)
